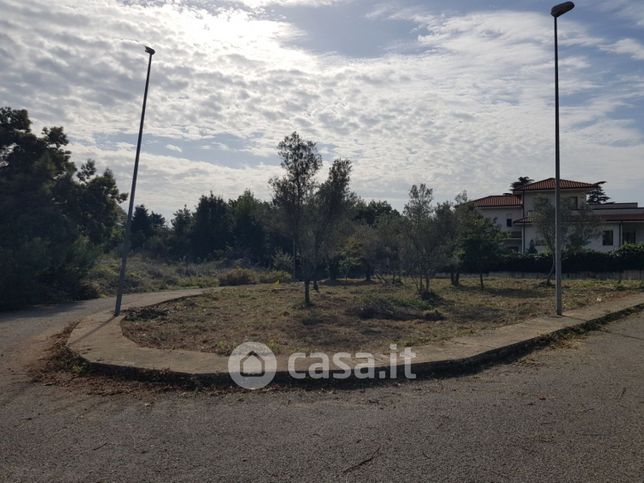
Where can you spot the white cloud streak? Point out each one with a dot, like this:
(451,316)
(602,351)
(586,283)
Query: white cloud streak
(472,110)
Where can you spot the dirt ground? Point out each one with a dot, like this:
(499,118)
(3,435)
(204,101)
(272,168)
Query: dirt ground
(351,316)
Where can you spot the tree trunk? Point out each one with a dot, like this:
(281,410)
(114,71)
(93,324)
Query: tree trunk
(315,285)
(367,273)
(481,279)
(454,277)
(294,261)
(550,273)
(307,292)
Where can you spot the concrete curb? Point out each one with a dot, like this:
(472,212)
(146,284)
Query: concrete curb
(99,341)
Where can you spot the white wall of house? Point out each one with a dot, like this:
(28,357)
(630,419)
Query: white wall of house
(611,236)
(578,198)
(601,242)
(501,215)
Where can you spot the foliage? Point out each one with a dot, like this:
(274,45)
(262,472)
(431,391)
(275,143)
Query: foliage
(521,182)
(479,242)
(310,212)
(53,223)
(597,195)
(238,276)
(426,236)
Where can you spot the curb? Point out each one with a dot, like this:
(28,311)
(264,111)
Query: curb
(100,343)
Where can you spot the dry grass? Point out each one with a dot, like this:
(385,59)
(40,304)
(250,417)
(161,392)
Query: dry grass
(273,314)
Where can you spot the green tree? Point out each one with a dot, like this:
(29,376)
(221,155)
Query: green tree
(180,238)
(479,242)
(95,204)
(521,183)
(212,231)
(249,233)
(44,252)
(291,193)
(424,242)
(578,227)
(596,195)
(310,212)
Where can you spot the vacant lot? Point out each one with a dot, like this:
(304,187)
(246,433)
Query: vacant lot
(351,316)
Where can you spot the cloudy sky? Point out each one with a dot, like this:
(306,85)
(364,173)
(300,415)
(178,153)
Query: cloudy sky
(457,94)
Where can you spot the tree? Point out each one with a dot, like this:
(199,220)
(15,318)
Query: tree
(180,238)
(370,212)
(424,247)
(301,161)
(479,241)
(249,233)
(212,229)
(310,213)
(521,183)
(389,230)
(578,227)
(44,251)
(596,195)
(95,204)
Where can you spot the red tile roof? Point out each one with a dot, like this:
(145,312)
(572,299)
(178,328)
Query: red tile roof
(497,201)
(549,184)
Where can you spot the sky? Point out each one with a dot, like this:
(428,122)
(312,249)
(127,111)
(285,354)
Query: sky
(458,95)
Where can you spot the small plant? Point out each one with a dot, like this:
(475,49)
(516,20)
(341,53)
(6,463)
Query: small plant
(282,261)
(238,276)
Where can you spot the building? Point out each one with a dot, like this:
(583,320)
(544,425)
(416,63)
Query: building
(620,222)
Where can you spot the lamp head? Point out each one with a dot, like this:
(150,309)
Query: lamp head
(560,9)
(151,51)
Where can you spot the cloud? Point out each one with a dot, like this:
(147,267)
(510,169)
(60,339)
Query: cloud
(630,47)
(288,3)
(470,108)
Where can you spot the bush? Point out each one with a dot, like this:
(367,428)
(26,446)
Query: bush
(282,261)
(630,256)
(274,276)
(238,276)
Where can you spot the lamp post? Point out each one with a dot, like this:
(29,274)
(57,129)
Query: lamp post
(557,11)
(128,225)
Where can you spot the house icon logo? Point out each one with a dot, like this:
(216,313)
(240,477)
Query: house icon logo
(252,365)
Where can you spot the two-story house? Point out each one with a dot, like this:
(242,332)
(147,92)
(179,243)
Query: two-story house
(620,222)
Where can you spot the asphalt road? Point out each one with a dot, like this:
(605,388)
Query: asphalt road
(570,413)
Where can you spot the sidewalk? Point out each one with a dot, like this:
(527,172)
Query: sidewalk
(98,339)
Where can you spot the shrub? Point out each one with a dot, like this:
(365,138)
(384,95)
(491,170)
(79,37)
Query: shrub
(282,261)
(274,276)
(238,276)
(630,256)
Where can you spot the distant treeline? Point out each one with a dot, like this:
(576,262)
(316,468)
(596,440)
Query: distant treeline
(56,220)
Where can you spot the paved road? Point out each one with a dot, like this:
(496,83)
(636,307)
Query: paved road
(571,413)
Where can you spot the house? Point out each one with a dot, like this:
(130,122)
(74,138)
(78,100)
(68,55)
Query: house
(620,222)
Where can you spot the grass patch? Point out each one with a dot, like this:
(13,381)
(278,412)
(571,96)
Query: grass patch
(352,316)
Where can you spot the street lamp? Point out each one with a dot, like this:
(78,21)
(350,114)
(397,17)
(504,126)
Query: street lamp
(557,11)
(128,225)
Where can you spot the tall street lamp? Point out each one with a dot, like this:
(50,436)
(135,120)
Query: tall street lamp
(128,225)
(557,11)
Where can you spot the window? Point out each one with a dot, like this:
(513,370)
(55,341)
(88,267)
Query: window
(508,222)
(607,238)
(629,237)
(574,202)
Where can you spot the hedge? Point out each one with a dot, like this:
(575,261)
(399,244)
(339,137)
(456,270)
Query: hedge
(628,257)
